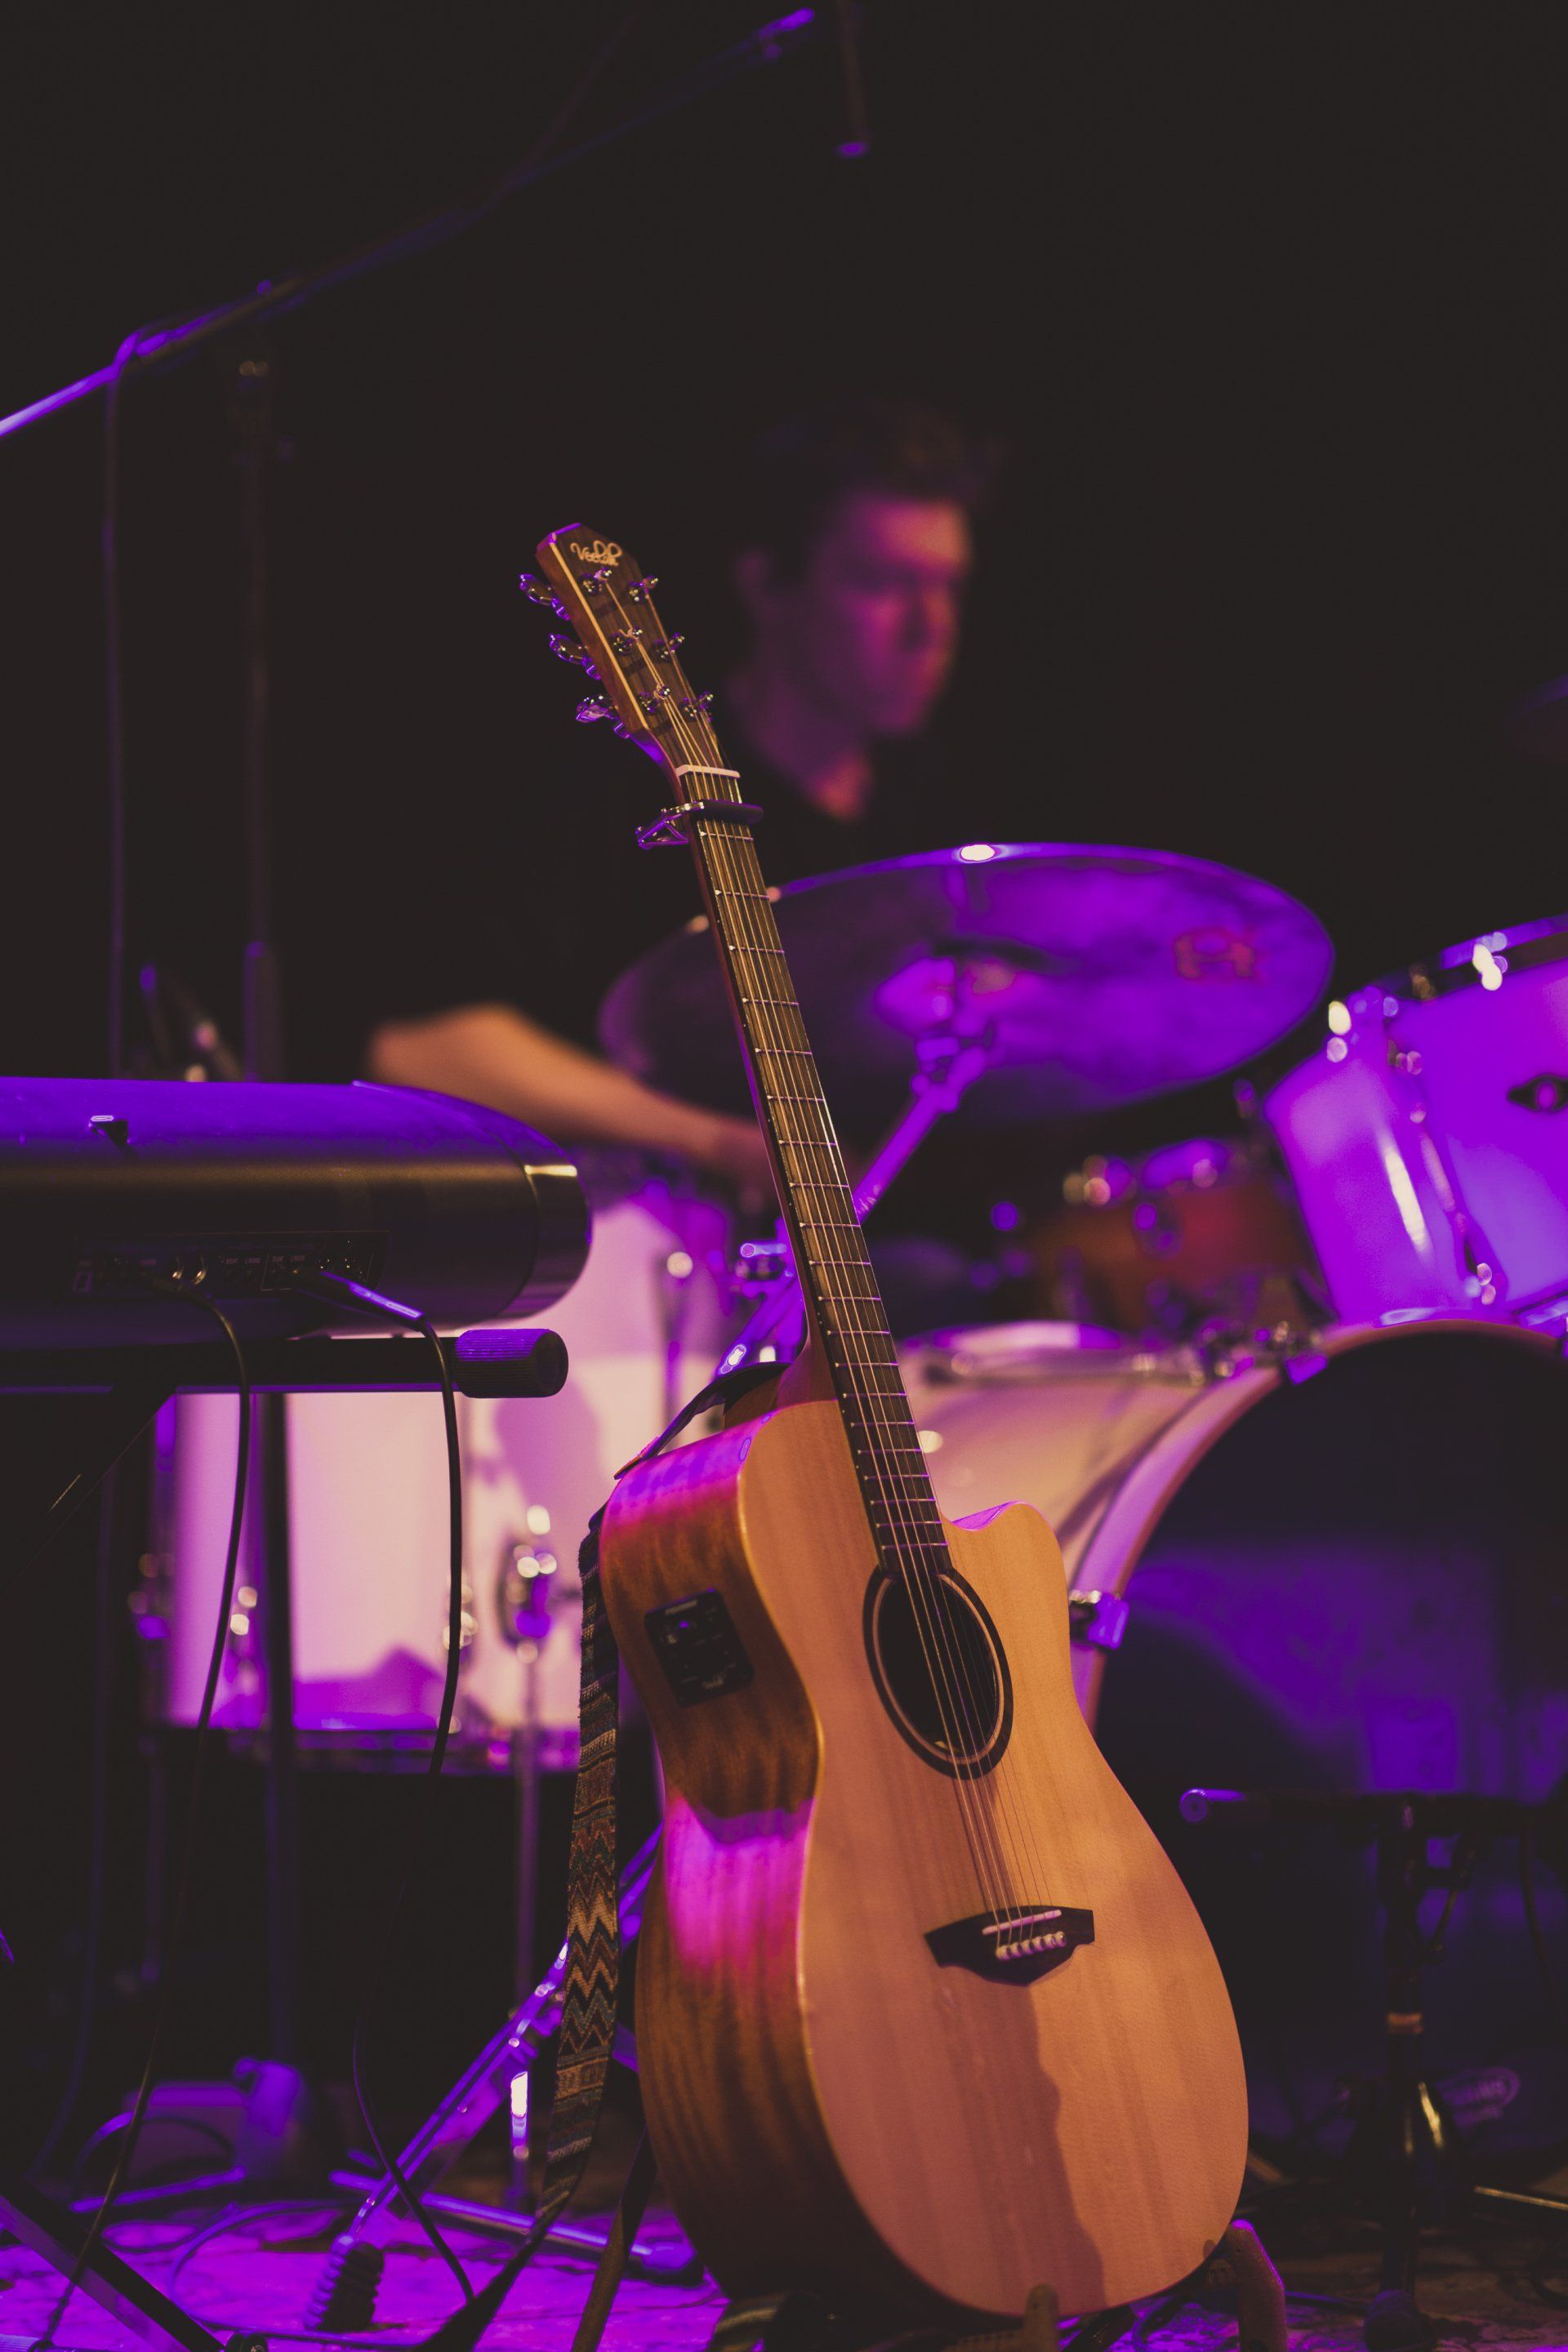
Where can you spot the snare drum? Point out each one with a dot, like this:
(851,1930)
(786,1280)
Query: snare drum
(368,1509)
(1345,1571)
(1428,1137)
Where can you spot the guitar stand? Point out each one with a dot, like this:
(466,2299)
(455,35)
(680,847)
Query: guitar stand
(1237,2273)
(1405,2160)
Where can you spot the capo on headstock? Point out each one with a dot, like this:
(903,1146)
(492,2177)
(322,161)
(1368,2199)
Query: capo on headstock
(669,829)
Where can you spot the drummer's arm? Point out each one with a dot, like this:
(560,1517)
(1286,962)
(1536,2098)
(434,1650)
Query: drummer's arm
(493,1054)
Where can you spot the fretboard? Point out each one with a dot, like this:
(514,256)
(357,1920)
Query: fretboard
(831,1257)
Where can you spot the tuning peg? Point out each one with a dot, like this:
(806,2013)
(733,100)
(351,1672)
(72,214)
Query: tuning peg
(567,649)
(592,708)
(697,706)
(668,647)
(537,591)
(641,590)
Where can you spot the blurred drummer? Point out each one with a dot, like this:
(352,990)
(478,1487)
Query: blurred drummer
(855,550)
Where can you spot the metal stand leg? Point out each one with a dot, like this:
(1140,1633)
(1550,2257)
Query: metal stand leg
(129,2298)
(476,2096)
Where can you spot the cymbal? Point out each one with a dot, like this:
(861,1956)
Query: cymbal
(1096,976)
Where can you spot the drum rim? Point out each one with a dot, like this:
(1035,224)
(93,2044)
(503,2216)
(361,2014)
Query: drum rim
(1524,944)
(1109,1559)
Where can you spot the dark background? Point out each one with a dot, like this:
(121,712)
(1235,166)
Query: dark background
(1266,304)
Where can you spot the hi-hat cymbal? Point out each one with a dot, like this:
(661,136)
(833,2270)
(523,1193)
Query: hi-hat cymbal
(1099,976)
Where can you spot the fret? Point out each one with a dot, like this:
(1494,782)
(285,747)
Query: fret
(830,1247)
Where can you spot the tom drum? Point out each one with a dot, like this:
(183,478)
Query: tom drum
(1428,1137)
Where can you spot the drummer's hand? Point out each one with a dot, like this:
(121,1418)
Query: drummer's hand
(733,1151)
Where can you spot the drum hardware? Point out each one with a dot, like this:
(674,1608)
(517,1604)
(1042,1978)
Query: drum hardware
(948,1063)
(1098,1620)
(1405,2158)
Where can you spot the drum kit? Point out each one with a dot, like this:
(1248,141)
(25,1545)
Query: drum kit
(1293,1417)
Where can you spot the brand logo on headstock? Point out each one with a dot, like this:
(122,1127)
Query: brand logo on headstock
(603,550)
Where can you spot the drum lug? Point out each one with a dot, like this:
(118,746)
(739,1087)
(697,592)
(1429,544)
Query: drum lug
(1096,1620)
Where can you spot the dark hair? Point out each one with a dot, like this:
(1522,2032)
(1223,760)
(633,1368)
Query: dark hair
(799,470)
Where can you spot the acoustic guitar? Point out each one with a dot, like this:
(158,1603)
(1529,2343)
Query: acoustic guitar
(925,2014)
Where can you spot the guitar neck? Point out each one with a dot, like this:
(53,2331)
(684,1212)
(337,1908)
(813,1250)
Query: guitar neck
(831,1257)
(594,582)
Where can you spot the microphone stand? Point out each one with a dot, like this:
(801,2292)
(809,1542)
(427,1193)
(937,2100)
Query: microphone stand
(287,2138)
(154,350)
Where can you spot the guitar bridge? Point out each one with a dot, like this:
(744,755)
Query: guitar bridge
(1012,1946)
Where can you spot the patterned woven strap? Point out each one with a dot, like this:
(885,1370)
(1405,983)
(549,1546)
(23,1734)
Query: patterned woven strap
(593,1909)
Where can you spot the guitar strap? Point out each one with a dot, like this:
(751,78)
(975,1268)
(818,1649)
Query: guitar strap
(593,1906)
(592,1916)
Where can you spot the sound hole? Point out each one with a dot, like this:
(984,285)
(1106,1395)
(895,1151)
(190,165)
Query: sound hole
(940,1670)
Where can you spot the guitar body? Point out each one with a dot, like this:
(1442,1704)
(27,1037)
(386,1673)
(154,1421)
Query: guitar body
(829,2104)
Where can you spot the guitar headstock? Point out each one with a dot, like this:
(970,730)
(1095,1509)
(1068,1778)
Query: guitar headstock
(596,586)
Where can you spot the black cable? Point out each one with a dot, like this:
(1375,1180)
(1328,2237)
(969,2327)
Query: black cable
(384,2154)
(230,2218)
(176,1919)
(223,2141)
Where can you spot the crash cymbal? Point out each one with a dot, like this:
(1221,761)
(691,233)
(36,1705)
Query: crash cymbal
(1096,976)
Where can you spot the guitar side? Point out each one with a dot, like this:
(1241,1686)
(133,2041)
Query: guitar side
(829,2105)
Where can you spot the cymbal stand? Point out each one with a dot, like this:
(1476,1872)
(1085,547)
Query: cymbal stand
(948,1064)
(1405,2158)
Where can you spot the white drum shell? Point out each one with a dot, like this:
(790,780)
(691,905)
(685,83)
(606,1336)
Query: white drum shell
(368,1502)
(1424,1185)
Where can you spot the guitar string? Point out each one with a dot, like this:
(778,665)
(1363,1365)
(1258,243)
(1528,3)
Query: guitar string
(915,1515)
(717,858)
(725,856)
(927,1540)
(986,1796)
(828,1271)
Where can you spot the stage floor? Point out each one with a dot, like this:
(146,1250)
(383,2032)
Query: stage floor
(256,2275)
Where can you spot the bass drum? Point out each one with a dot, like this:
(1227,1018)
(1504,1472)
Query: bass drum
(368,1514)
(1348,1574)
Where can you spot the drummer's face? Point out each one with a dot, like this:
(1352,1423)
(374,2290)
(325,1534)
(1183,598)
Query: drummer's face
(872,621)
